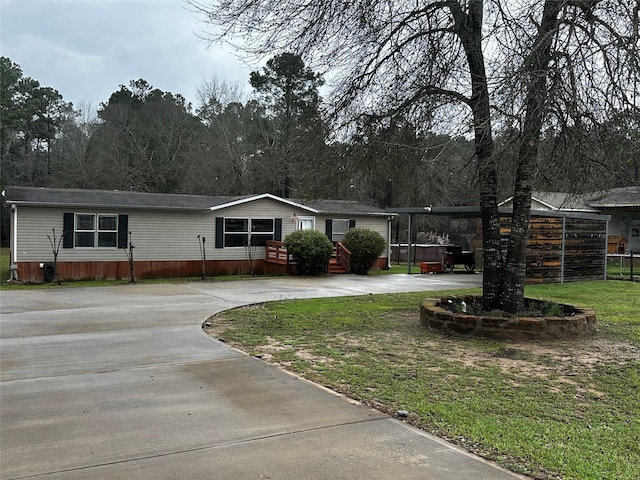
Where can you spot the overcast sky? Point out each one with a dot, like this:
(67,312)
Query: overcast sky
(86,49)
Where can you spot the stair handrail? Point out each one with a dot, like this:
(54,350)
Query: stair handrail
(343,256)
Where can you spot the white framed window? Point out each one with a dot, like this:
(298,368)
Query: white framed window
(339,227)
(91,230)
(107,230)
(236,232)
(84,230)
(262,230)
(305,223)
(240,232)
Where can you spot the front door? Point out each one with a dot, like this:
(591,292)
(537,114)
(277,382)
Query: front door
(305,223)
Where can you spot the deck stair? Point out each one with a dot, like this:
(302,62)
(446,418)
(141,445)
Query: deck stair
(340,261)
(335,267)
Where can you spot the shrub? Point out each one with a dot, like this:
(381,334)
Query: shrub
(365,247)
(310,249)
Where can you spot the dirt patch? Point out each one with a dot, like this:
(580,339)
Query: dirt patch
(560,360)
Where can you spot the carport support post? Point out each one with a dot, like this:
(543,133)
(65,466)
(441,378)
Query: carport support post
(409,245)
(564,238)
(606,250)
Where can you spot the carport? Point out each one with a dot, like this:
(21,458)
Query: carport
(562,246)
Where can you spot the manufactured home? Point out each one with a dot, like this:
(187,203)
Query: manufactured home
(94,231)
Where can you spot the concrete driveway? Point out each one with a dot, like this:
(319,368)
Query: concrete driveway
(121,383)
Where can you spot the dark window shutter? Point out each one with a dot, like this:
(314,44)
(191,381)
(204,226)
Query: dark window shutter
(352,224)
(123,229)
(277,234)
(219,232)
(67,231)
(328,229)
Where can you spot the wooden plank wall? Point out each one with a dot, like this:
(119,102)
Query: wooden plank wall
(584,249)
(544,250)
(32,273)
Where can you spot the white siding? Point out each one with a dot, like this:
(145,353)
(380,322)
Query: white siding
(162,234)
(615,226)
(263,208)
(377,224)
(34,224)
(157,235)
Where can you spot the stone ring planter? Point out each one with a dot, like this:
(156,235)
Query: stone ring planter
(581,324)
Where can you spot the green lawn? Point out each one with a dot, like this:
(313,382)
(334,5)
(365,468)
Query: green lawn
(621,267)
(4,265)
(567,410)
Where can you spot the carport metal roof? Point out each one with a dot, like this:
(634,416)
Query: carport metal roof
(474,211)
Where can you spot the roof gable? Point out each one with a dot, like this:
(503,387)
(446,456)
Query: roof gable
(240,201)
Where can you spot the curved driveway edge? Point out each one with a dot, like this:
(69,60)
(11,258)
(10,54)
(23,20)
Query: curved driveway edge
(119,382)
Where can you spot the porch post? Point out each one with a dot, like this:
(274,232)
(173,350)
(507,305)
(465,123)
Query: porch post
(564,234)
(409,245)
(606,248)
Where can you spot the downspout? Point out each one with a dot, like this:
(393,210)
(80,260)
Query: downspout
(564,229)
(14,234)
(13,244)
(389,242)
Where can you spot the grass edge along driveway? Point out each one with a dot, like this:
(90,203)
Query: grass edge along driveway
(550,410)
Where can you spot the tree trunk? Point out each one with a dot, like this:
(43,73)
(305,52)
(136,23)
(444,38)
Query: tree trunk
(469,27)
(536,66)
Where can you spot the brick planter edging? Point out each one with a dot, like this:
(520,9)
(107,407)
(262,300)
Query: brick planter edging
(580,325)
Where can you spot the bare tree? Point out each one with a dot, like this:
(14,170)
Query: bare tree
(228,127)
(75,167)
(128,250)
(515,64)
(55,249)
(214,95)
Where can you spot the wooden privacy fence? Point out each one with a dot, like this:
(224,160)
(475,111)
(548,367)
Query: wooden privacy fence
(563,248)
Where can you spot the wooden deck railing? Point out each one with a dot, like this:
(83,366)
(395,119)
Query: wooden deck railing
(276,252)
(343,255)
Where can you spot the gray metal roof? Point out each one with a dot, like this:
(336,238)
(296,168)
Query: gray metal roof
(563,201)
(40,196)
(622,197)
(616,198)
(473,211)
(343,207)
(557,201)
(110,198)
